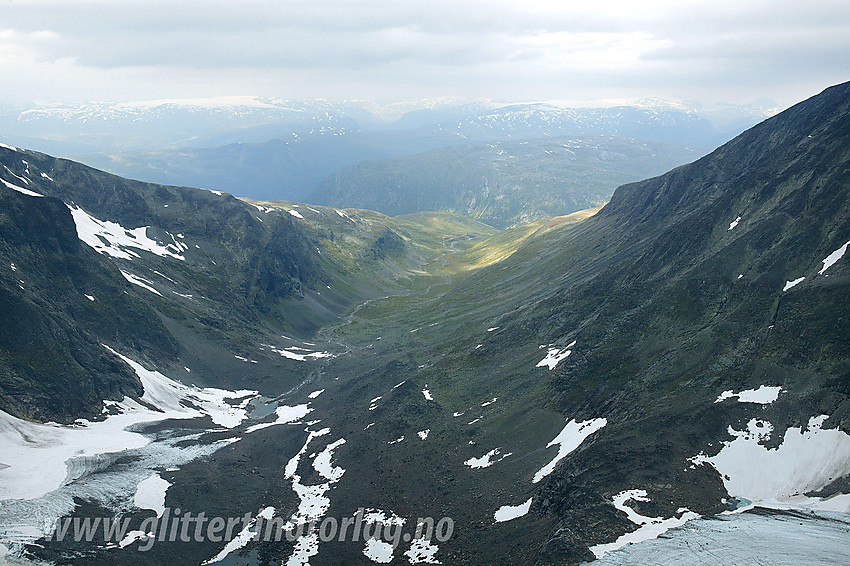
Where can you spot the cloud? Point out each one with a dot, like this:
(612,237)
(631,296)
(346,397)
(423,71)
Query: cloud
(498,49)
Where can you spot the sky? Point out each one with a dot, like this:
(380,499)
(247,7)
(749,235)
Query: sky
(697,51)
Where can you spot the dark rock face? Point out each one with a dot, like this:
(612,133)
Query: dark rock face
(62,300)
(389,243)
(53,365)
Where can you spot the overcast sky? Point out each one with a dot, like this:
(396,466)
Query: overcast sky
(705,50)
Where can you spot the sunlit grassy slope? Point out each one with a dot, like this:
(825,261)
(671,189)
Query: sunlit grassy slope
(411,251)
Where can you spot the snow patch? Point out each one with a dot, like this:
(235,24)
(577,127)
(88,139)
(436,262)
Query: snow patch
(650,527)
(734,223)
(486,460)
(790,284)
(285,414)
(292,355)
(140,281)
(21,189)
(764,395)
(111,238)
(132,537)
(243,537)
(322,462)
(378,551)
(422,551)
(570,438)
(22,179)
(423,434)
(314,502)
(511,512)
(555,355)
(832,258)
(150,494)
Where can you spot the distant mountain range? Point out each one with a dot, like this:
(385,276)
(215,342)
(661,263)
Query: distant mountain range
(192,123)
(283,149)
(503,183)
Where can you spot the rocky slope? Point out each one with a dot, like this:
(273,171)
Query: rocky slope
(683,287)
(59,300)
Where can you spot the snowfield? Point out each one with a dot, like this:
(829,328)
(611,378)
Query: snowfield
(808,459)
(38,456)
(745,539)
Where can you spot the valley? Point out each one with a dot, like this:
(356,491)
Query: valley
(672,364)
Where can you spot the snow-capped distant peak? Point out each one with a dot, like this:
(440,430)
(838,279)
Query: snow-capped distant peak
(209,102)
(662,104)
